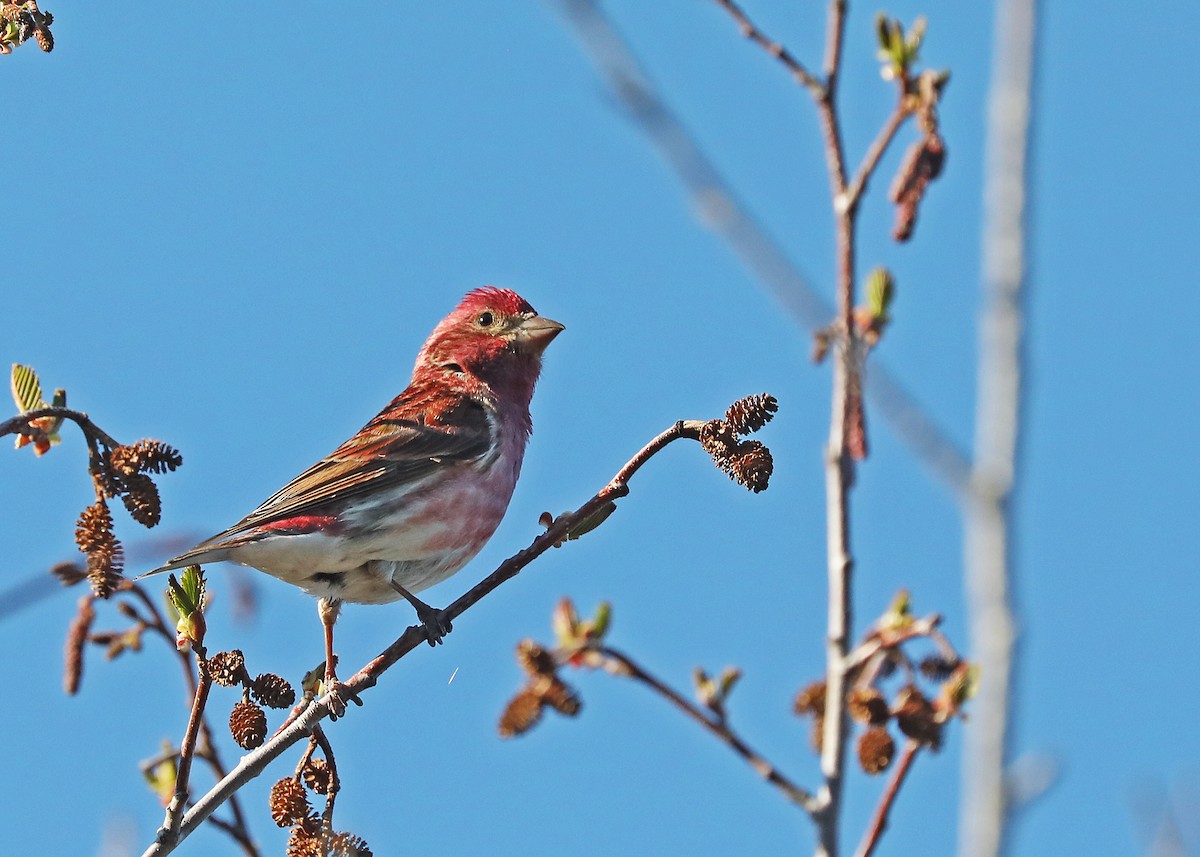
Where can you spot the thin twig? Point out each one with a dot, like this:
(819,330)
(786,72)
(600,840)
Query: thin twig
(720,208)
(751,31)
(335,783)
(20,424)
(879,820)
(206,748)
(985,808)
(878,146)
(924,627)
(237,832)
(717,726)
(306,720)
(187,749)
(835,24)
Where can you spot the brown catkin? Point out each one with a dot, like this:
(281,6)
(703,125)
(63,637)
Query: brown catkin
(317,776)
(751,413)
(867,705)
(558,695)
(917,718)
(303,843)
(273,691)
(142,500)
(718,439)
(227,668)
(346,844)
(752,466)
(875,750)
(811,700)
(145,456)
(521,714)
(288,802)
(94,527)
(69,573)
(534,659)
(248,725)
(77,636)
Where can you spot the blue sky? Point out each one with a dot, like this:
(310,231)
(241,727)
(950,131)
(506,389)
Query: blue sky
(233,232)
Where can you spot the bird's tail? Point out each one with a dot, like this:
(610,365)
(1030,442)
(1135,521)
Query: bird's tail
(196,556)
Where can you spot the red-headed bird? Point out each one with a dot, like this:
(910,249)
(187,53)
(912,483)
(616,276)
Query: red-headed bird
(415,493)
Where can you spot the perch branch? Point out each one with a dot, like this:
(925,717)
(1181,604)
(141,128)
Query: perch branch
(306,720)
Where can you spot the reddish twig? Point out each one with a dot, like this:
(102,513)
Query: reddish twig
(206,749)
(169,832)
(20,424)
(717,726)
(879,820)
(878,147)
(335,783)
(772,47)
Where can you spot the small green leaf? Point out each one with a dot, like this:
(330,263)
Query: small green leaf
(881,289)
(729,678)
(598,626)
(899,613)
(187,595)
(592,521)
(26,388)
(963,685)
(706,688)
(565,622)
(881,31)
(915,36)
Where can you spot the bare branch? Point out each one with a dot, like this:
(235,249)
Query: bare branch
(774,48)
(187,751)
(716,726)
(20,424)
(877,148)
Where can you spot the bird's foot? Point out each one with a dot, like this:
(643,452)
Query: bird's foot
(337,695)
(436,622)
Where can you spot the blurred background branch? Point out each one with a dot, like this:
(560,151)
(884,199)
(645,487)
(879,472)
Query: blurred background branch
(985,808)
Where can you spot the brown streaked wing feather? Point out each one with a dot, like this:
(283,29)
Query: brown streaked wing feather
(389,451)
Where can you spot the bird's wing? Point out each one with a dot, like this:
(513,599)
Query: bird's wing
(390,451)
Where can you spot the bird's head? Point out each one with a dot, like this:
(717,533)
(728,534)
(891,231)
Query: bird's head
(495,336)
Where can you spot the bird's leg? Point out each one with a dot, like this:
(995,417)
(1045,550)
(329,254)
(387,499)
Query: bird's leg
(328,609)
(437,624)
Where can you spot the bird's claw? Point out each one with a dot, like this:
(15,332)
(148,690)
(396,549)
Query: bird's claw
(436,623)
(337,695)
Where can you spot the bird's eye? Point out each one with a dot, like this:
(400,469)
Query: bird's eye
(485,319)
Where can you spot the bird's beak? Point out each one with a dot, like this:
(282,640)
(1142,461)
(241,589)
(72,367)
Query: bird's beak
(534,334)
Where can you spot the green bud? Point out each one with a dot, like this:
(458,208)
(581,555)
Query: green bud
(598,627)
(729,678)
(881,289)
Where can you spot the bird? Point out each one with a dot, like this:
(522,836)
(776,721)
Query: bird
(415,493)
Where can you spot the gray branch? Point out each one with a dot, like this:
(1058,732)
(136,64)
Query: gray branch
(986,809)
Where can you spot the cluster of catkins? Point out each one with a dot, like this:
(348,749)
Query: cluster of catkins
(122,471)
(310,835)
(543,689)
(21,21)
(916,716)
(247,721)
(747,462)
